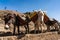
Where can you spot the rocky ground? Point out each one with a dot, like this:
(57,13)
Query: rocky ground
(41,36)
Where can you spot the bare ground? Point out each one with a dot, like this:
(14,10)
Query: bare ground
(41,36)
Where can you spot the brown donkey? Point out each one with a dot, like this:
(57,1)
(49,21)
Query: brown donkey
(16,20)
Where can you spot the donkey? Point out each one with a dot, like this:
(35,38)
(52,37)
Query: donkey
(16,20)
(50,22)
(37,19)
(40,19)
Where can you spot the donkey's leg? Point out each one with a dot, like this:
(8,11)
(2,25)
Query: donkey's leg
(59,28)
(56,27)
(25,28)
(35,29)
(18,30)
(41,28)
(28,27)
(38,29)
(14,29)
(48,28)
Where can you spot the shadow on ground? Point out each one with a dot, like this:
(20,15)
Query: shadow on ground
(33,32)
(10,34)
(19,36)
(2,34)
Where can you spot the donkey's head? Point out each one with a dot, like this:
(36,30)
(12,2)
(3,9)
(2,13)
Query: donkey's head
(9,18)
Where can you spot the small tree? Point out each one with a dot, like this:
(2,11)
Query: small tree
(16,10)
(5,7)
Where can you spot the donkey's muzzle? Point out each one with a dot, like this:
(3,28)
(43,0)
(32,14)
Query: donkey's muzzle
(6,27)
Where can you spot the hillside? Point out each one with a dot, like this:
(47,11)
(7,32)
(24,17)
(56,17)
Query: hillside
(7,34)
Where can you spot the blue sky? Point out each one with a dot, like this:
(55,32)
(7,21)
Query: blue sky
(51,6)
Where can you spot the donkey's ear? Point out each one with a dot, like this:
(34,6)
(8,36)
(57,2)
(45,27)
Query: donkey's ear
(14,14)
(3,17)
